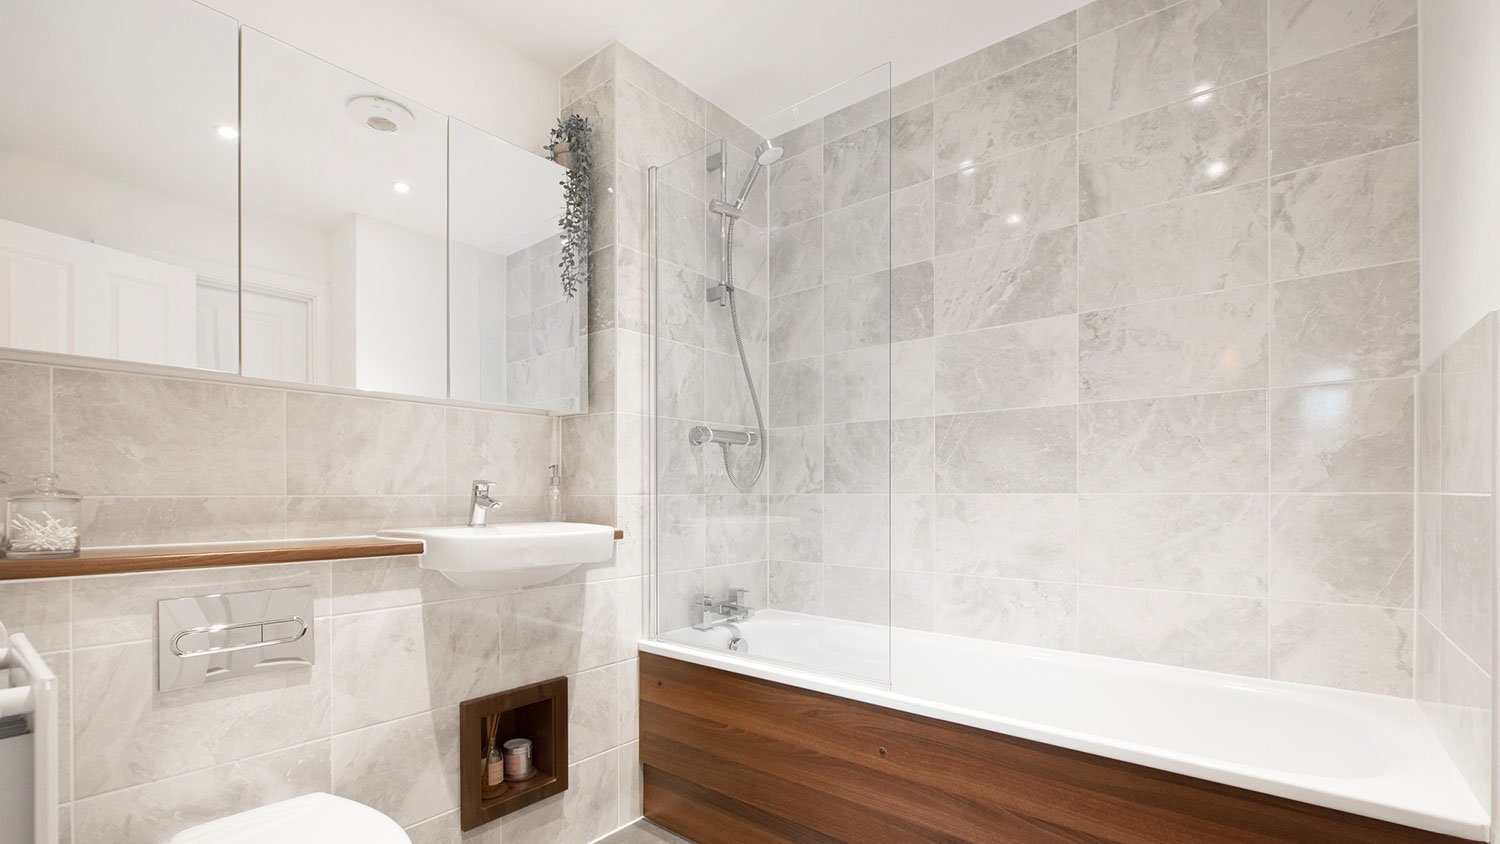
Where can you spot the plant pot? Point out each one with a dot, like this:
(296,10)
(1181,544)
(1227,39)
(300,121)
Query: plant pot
(562,153)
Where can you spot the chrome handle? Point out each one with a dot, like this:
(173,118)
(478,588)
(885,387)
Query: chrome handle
(225,649)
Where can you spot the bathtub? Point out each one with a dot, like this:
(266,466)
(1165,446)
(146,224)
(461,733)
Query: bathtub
(1361,753)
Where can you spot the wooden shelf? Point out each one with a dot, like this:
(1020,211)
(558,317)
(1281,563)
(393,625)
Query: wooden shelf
(140,558)
(538,712)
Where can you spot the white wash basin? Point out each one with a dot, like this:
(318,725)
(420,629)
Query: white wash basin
(509,556)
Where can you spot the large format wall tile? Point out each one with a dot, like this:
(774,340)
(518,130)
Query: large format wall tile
(1011,197)
(1210,632)
(1467,415)
(372,447)
(1302,29)
(911,147)
(1342,548)
(1357,212)
(796,257)
(856,531)
(857,166)
(1102,15)
(558,630)
(1015,281)
(1195,543)
(1200,244)
(1001,56)
(407,769)
(1030,364)
(1342,437)
(1174,151)
(41,609)
(1033,450)
(118,434)
(1354,101)
(856,385)
(1195,344)
(1005,114)
(1345,326)
(1367,649)
(857,240)
(1023,612)
(1209,443)
(503,447)
(26,421)
(856,457)
(796,188)
(167,519)
(1031,537)
(1467,573)
(1184,50)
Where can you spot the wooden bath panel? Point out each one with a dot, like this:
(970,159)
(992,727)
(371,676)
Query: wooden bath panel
(730,758)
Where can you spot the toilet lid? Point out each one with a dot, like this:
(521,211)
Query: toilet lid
(315,818)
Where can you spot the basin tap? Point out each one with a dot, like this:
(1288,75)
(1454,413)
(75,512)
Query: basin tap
(480,503)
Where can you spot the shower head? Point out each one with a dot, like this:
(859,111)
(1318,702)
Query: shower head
(766,154)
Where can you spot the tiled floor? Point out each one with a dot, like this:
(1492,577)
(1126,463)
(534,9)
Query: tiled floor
(643,832)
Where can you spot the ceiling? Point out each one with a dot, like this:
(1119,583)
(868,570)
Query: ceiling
(756,58)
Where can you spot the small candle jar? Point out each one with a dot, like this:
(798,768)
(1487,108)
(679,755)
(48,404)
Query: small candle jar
(518,760)
(43,521)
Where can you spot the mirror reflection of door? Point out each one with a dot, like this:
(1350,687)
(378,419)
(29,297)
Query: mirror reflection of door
(118,132)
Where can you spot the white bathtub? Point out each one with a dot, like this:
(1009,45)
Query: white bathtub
(1362,753)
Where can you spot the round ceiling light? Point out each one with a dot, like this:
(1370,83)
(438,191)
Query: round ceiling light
(379,114)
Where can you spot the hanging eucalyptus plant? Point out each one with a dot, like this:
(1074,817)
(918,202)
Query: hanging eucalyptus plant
(572,148)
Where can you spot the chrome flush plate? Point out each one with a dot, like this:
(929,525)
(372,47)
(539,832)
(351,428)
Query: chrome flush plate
(216,637)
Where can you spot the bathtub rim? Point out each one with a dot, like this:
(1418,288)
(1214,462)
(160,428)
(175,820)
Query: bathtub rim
(1458,813)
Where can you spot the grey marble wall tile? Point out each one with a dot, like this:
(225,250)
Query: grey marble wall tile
(856,457)
(912,234)
(857,240)
(1101,15)
(153,521)
(1032,537)
(592,700)
(588,454)
(1212,241)
(1466,596)
(1016,196)
(796,257)
(598,104)
(681,233)
(911,146)
(857,531)
(857,166)
(1344,326)
(797,325)
(513,448)
(754,319)
(589,73)
(1209,632)
(377,448)
(362,515)
(735,528)
(912,526)
(1342,549)
(861,594)
(859,115)
(1467,428)
(806,137)
(1342,438)
(912,600)
(443,829)
(1022,612)
(1016,110)
(1174,151)
(795,396)
(1358,212)
(679,304)
(1187,49)
(119,434)
(41,609)
(681,532)
(857,312)
(392,663)
(1464,714)
(650,131)
(679,380)
(1209,443)
(25,420)
(796,185)
(1429,424)
(135,735)
(152,813)
(912,93)
(911,302)
(796,587)
(1011,282)
(796,459)
(586,812)
(912,368)
(797,528)
(1428,549)
(1194,344)
(558,630)
(1354,101)
(857,385)
(386,582)
(1193,543)
(1302,29)
(912,455)
(651,79)
(1033,450)
(115,610)
(1367,649)
(407,769)
(1029,364)
(1001,56)
(726,397)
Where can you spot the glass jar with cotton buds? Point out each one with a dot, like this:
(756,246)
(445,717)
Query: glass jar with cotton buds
(43,521)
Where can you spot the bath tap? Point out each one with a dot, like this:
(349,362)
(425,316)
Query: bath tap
(480,503)
(720,613)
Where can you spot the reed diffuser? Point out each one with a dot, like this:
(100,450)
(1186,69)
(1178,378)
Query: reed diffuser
(494,761)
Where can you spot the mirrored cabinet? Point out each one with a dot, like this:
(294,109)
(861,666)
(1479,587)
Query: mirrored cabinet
(177,189)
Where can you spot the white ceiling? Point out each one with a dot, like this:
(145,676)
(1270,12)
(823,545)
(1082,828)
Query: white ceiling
(756,57)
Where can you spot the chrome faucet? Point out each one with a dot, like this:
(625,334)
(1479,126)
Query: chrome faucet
(722,613)
(480,503)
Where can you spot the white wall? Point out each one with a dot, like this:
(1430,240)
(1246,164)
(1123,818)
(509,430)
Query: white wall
(420,51)
(1460,67)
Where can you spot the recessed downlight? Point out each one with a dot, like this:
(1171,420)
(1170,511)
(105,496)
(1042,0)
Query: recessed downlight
(228,132)
(400,187)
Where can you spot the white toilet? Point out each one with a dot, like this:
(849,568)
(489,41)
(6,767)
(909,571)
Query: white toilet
(315,818)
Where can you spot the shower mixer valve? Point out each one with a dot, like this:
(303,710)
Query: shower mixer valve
(702,435)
